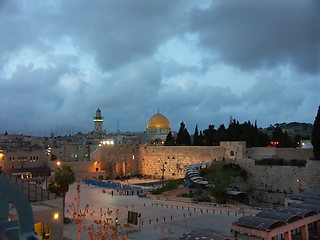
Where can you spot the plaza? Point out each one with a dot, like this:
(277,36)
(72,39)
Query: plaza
(159,219)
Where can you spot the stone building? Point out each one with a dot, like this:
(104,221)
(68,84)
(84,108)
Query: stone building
(157,129)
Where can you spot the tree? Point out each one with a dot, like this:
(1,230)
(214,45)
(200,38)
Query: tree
(210,136)
(183,137)
(63,177)
(196,139)
(105,227)
(316,136)
(169,139)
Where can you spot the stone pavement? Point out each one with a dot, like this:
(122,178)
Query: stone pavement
(157,220)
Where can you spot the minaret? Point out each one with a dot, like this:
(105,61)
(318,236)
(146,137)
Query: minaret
(98,121)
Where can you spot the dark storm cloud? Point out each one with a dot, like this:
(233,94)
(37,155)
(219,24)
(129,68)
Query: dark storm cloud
(61,60)
(252,34)
(115,32)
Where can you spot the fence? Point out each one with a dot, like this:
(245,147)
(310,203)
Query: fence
(30,189)
(102,184)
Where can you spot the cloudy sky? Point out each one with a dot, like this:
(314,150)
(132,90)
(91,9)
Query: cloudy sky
(197,61)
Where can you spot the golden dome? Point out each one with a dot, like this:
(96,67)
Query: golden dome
(158,121)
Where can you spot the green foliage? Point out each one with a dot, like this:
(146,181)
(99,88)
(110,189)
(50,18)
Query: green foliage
(170,185)
(281,162)
(316,136)
(169,140)
(196,137)
(298,163)
(282,137)
(235,132)
(221,175)
(63,177)
(186,195)
(183,137)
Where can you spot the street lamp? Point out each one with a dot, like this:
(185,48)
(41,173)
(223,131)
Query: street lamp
(125,170)
(162,174)
(298,180)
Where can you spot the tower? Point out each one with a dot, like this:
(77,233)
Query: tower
(98,122)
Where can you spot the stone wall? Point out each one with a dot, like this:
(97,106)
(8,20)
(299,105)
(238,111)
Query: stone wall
(118,160)
(284,153)
(175,158)
(273,183)
(43,212)
(82,169)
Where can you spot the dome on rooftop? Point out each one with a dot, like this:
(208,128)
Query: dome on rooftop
(158,121)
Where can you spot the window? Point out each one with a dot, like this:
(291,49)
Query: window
(232,153)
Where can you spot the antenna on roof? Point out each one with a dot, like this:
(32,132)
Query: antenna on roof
(118,130)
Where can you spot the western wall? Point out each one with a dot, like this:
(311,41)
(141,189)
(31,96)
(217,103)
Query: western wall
(117,160)
(267,183)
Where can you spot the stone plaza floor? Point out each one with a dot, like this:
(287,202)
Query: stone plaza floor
(156,221)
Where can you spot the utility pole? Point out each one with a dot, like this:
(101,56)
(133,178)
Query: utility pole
(162,174)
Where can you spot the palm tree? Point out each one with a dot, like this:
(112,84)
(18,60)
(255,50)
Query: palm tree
(63,177)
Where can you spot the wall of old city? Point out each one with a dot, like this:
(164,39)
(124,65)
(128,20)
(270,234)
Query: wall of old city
(273,183)
(81,169)
(118,160)
(284,153)
(175,158)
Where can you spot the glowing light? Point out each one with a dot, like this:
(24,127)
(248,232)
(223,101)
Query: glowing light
(56,216)
(95,163)
(298,180)
(58,163)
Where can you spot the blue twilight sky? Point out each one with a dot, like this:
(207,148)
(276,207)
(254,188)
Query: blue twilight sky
(197,61)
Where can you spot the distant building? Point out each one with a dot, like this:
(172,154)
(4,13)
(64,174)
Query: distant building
(301,220)
(157,129)
(98,122)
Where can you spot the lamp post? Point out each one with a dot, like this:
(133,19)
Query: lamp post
(115,170)
(298,180)
(162,174)
(125,170)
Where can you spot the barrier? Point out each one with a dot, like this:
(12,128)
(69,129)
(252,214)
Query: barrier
(102,184)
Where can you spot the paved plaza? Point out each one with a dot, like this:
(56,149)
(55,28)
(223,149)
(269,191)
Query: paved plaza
(157,221)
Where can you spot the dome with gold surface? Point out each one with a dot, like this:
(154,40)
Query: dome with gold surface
(158,124)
